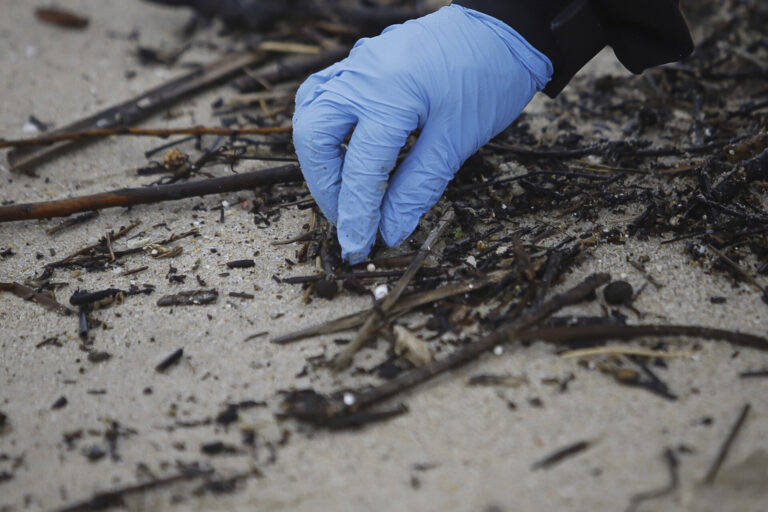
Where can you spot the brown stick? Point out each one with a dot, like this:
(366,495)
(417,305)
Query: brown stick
(726,446)
(45,299)
(145,195)
(46,140)
(344,359)
(626,332)
(132,111)
(116,497)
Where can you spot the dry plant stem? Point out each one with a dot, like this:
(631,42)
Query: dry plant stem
(627,332)
(622,350)
(674,481)
(344,359)
(725,448)
(562,454)
(45,140)
(115,497)
(138,108)
(405,304)
(743,273)
(154,194)
(470,352)
(84,250)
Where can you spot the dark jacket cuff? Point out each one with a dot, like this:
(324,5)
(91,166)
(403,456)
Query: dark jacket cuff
(569,37)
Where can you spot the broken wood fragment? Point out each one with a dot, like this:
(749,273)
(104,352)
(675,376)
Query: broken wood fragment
(45,299)
(170,360)
(189,298)
(411,347)
(116,497)
(62,18)
(709,478)
(560,455)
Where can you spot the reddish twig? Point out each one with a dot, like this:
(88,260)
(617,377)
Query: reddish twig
(45,140)
(145,195)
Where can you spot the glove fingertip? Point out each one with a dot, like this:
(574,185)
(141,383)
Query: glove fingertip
(395,230)
(353,249)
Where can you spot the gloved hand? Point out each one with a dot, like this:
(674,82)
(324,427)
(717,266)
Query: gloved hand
(458,75)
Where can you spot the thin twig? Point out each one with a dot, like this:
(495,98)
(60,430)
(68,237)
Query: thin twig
(45,140)
(116,497)
(594,333)
(562,454)
(122,232)
(673,465)
(108,243)
(622,350)
(743,273)
(726,447)
(153,194)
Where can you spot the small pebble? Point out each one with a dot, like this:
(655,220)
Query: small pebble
(326,288)
(371,267)
(381,291)
(99,357)
(94,453)
(61,402)
(618,293)
(349,399)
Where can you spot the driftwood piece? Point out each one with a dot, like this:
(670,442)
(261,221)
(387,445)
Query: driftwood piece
(45,299)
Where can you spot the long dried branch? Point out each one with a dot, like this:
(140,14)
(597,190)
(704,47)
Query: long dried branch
(145,195)
(52,138)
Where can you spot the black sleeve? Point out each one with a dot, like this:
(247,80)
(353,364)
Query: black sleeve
(642,33)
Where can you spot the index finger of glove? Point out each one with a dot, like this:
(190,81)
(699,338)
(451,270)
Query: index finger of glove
(311,87)
(372,154)
(319,129)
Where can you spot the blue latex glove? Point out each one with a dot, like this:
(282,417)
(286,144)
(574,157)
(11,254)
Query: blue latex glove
(458,75)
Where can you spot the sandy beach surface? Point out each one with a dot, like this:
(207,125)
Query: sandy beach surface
(460,447)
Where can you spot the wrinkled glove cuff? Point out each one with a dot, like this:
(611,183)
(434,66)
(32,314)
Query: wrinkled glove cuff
(536,62)
(569,36)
